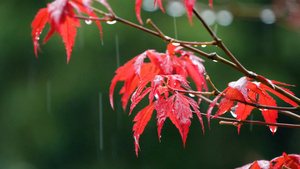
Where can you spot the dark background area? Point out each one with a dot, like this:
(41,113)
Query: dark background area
(49,110)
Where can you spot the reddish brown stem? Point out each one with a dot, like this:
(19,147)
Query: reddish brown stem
(235,64)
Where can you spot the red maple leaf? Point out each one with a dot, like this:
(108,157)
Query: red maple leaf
(135,71)
(141,119)
(189,4)
(176,108)
(285,161)
(165,73)
(244,91)
(61,17)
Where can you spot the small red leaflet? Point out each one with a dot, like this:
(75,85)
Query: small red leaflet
(245,91)
(61,17)
(165,73)
(176,107)
(291,161)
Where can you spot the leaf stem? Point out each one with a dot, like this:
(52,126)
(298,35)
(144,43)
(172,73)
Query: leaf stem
(216,91)
(213,56)
(239,66)
(227,121)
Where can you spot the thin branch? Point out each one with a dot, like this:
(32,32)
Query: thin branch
(105,18)
(241,68)
(185,44)
(260,106)
(220,44)
(212,85)
(291,114)
(236,123)
(236,65)
(281,110)
(232,121)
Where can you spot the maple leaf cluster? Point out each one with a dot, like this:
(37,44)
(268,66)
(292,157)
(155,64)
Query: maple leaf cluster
(189,4)
(62,19)
(165,73)
(241,96)
(291,161)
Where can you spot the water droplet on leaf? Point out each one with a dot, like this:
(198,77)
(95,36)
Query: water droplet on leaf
(233,114)
(191,95)
(215,61)
(203,46)
(175,44)
(111,22)
(273,130)
(88,22)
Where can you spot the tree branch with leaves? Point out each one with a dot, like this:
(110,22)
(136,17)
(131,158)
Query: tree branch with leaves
(164,77)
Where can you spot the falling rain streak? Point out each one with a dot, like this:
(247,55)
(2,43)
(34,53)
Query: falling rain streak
(48,88)
(117,51)
(100,122)
(175,27)
(251,124)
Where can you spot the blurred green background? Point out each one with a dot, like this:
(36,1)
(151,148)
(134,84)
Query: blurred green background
(49,110)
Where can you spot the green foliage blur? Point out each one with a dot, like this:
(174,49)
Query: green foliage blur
(49,110)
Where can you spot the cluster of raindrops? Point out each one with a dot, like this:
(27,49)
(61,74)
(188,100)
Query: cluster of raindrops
(37,34)
(111,22)
(222,17)
(89,22)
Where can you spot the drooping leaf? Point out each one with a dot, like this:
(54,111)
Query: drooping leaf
(180,113)
(242,110)
(196,70)
(165,77)
(133,72)
(270,116)
(139,94)
(189,4)
(85,7)
(287,161)
(141,119)
(121,75)
(284,98)
(61,17)
(246,92)
(159,4)
(68,33)
(235,92)
(37,26)
(138,5)
(164,109)
(211,4)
